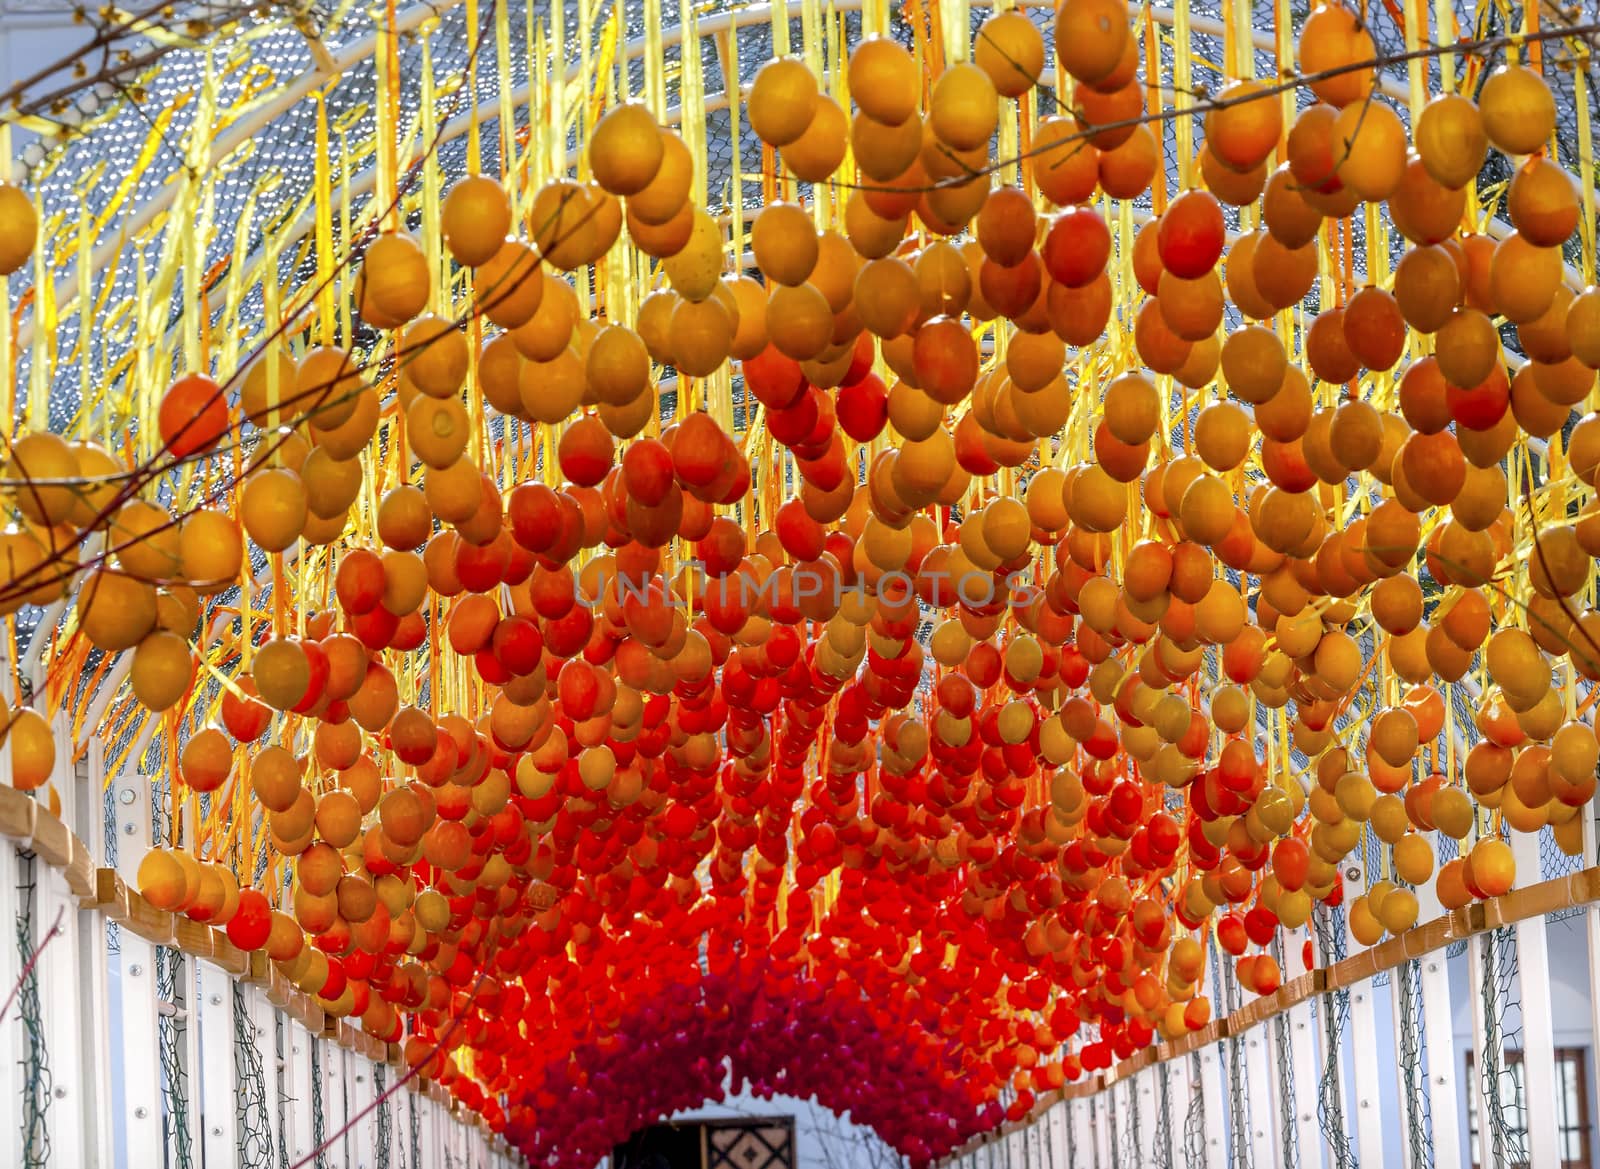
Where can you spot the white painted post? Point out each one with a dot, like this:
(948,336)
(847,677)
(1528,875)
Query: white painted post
(432,1146)
(1082,1131)
(73,1116)
(1261,1104)
(87,818)
(1301,1023)
(400,1132)
(1216,1108)
(1538,1024)
(358,1080)
(1591,920)
(263,1026)
(1146,1086)
(218,1088)
(332,1088)
(297,1062)
(1480,1045)
(1438,1025)
(141,1062)
(1366,1115)
(1174,1074)
(1059,1124)
(1102,1129)
(364,1092)
(186,1015)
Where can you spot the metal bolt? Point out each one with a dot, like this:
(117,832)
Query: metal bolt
(135,971)
(127,829)
(126,795)
(216,1131)
(215,1000)
(60,1093)
(140,1112)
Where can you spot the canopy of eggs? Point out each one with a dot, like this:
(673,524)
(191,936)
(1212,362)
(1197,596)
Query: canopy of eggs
(936,871)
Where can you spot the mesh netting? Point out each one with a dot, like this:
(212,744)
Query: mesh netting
(1115,1146)
(250,1101)
(1162,1137)
(281,1054)
(380,1079)
(1238,1083)
(1335,1007)
(36,1082)
(1194,1119)
(1288,1131)
(319,1123)
(1500,1082)
(171,1025)
(1413,1047)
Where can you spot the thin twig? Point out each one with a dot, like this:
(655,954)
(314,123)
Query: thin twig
(33,960)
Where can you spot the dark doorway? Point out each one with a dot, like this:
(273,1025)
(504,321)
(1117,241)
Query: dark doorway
(757,1142)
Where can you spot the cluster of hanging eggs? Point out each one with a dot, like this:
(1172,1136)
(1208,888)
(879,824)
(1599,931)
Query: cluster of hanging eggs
(1071,757)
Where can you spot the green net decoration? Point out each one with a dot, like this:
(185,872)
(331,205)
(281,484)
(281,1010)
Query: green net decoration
(416,1136)
(1238,1096)
(380,1076)
(250,1103)
(1335,1006)
(1288,1131)
(1413,1069)
(346,1125)
(319,1124)
(1194,1119)
(283,1097)
(36,1088)
(1134,1145)
(1162,1137)
(1114,1146)
(1507,1134)
(174,1076)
